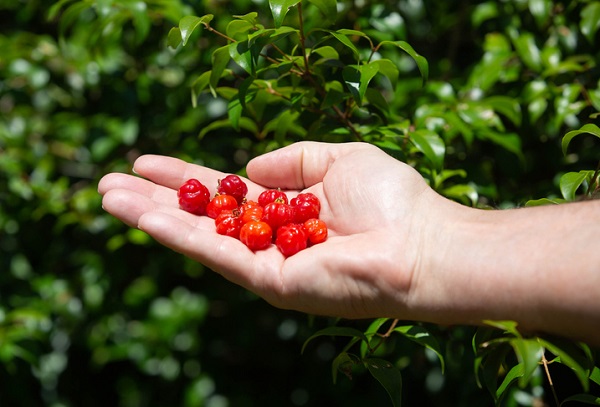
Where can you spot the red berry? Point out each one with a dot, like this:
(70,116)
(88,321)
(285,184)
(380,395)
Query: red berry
(193,197)
(229,223)
(291,238)
(277,214)
(316,230)
(256,235)
(234,186)
(307,206)
(251,210)
(307,197)
(220,203)
(271,195)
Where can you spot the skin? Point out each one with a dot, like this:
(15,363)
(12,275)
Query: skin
(396,248)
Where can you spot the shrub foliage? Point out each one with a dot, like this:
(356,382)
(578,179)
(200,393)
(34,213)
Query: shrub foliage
(494,103)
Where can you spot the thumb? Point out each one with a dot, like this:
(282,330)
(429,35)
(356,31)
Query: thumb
(299,165)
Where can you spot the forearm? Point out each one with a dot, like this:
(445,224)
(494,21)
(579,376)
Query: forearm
(537,266)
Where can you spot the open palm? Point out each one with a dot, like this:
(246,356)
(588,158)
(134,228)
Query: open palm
(370,202)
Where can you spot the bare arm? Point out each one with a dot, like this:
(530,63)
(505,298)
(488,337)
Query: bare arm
(396,248)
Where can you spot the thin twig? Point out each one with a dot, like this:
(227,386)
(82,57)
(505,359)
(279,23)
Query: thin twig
(545,363)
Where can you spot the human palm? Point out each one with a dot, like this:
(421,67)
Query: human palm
(369,201)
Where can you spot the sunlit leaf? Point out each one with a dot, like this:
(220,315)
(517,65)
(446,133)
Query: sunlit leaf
(508,326)
(422,63)
(431,145)
(238,29)
(529,353)
(586,129)
(590,20)
(188,24)
(527,49)
(241,54)
(280,8)
(541,11)
(570,183)
(347,43)
(544,201)
(199,85)
(174,37)
(513,374)
(357,79)
(423,337)
(220,58)
(507,106)
(572,356)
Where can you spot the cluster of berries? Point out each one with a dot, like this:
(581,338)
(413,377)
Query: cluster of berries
(292,226)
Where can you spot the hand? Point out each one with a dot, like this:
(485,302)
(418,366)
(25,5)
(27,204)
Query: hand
(375,208)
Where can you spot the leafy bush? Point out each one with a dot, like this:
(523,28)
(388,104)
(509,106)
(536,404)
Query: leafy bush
(495,103)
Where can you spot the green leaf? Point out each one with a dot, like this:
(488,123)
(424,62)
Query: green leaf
(488,365)
(431,145)
(347,43)
(199,85)
(335,94)
(424,338)
(242,55)
(569,354)
(583,398)
(570,183)
(586,129)
(280,8)
(327,52)
(342,363)
(509,141)
(337,331)
(358,78)
(234,112)
(238,29)
(174,37)
(541,11)
(544,201)
(513,374)
(536,108)
(507,106)
(465,193)
(188,24)
(373,328)
(422,63)
(595,375)
(590,20)
(507,326)
(220,58)
(140,18)
(283,124)
(529,353)
(327,7)
(251,18)
(388,69)
(388,376)
(527,49)
(244,123)
(483,12)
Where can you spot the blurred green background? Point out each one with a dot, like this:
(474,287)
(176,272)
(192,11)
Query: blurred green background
(93,313)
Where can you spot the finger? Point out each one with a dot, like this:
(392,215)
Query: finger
(129,205)
(148,189)
(172,173)
(300,165)
(258,272)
